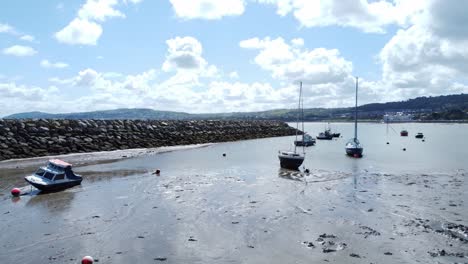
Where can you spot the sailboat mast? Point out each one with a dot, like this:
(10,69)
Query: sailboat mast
(298,113)
(302,118)
(355,111)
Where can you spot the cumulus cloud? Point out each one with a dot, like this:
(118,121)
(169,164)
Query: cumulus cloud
(429,56)
(86,28)
(20,51)
(80,31)
(99,10)
(366,15)
(21,98)
(207,9)
(184,56)
(5,28)
(292,63)
(48,64)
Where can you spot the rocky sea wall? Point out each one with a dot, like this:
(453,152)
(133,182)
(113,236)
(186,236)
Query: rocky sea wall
(23,138)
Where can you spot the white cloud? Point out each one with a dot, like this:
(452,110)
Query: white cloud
(99,10)
(207,9)
(292,63)
(429,57)
(48,64)
(21,98)
(20,51)
(234,75)
(27,38)
(185,57)
(366,15)
(86,28)
(5,28)
(80,31)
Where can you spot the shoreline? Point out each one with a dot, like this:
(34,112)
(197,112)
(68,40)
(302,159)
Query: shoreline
(98,156)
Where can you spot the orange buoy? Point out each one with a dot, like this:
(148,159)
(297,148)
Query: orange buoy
(15,192)
(87,260)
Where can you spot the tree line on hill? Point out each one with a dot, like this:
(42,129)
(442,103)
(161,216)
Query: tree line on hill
(448,107)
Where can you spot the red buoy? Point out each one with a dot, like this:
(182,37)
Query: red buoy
(87,260)
(15,192)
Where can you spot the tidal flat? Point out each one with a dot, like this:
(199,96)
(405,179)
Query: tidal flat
(388,207)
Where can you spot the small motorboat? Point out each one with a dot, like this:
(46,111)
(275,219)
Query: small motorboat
(57,175)
(336,134)
(404,133)
(326,135)
(306,141)
(419,135)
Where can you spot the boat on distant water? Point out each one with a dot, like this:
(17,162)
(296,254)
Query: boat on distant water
(293,159)
(306,141)
(325,135)
(419,135)
(57,175)
(336,134)
(354,147)
(404,133)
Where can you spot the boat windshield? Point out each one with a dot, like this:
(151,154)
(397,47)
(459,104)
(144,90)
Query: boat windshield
(40,172)
(48,175)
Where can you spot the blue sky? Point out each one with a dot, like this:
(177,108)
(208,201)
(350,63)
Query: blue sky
(222,56)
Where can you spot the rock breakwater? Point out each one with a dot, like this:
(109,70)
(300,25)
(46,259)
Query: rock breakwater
(24,138)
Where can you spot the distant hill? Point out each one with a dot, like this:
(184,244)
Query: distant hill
(438,107)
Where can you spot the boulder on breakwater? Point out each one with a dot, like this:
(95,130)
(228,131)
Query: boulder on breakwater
(25,138)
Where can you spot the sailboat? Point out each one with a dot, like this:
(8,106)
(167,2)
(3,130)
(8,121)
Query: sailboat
(353,147)
(307,140)
(293,159)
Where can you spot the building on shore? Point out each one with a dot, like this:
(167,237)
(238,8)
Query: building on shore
(397,117)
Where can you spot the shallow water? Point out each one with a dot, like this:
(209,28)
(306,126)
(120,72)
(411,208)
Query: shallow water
(390,206)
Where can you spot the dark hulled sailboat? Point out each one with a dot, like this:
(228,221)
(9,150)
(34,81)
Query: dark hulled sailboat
(354,147)
(293,159)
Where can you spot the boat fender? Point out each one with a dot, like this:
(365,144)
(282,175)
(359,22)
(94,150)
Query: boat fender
(16,192)
(87,260)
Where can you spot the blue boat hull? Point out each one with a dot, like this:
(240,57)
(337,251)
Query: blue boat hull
(55,186)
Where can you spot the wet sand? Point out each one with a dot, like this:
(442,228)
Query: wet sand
(205,208)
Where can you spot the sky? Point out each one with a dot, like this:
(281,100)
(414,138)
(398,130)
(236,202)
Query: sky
(205,56)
